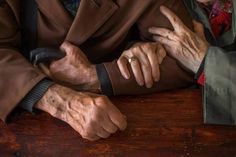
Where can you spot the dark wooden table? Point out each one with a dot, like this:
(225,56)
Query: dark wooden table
(161,125)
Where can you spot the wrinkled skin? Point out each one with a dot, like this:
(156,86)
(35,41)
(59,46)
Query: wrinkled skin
(186,46)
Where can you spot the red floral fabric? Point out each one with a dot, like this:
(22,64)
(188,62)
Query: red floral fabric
(220,19)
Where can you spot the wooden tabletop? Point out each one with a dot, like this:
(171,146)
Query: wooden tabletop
(167,124)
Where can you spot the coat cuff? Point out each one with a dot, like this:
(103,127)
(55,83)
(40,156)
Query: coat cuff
(35,95)
(219,89)
(104,79)
(200,70)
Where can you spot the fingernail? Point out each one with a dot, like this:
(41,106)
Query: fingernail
(157,78)
(150,29)
(149,86)
(162,7)
(127,76)
(141,83)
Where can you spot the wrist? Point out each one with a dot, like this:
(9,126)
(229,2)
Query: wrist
(197,65)
(200,60)
(93,79)
(92,83)
(53,101)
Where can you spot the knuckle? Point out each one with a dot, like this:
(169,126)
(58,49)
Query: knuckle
(63,45)
(99,99)
(136,50)
(53,66)
(161,54)
(126,52)
(178,43)
(146,66)
(74,52)
(54,69)
(149,52)
(102,99)
(160,39)
(188,34)
(96,116)
(87,126)
(181,37)
(85,134)
(70,49)
(119,62)
(135,63)
(147,46)
(178,38)
(112,129)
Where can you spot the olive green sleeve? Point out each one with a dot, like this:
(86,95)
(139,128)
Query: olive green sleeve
(220,87)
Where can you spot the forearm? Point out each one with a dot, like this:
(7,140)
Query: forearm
(92,84)
(35,94)
(172,77)
(52,101)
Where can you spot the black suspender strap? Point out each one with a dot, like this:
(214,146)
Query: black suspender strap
(29,11)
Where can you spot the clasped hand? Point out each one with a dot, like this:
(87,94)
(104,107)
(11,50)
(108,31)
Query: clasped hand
(144,60)
(74,69)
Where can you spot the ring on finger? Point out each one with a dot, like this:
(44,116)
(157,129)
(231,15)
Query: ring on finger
(132,59)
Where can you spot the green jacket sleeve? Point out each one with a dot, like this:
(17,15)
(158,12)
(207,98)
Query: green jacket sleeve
(220,87)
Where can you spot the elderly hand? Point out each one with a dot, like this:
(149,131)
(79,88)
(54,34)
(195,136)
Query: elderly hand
(92,116)
(144,59)
(188,47)
(74,69)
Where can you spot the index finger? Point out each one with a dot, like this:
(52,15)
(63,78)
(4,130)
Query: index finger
(176,22)
(117,118)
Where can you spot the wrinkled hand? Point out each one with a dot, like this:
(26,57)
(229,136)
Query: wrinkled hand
(188,47)
(144,59)
(92,116)
(74,68)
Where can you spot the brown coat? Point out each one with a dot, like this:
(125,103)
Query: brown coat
(100,29)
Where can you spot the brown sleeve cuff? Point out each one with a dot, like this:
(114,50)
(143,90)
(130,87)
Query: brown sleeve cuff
(172,77)
(35,95)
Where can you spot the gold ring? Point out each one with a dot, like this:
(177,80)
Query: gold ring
(131,59)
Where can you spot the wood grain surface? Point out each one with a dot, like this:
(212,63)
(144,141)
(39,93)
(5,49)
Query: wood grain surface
(166,124)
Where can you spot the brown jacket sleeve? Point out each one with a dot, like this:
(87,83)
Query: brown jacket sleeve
(172,75)
(17,76)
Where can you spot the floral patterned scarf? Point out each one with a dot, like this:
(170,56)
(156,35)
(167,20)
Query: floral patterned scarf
(220,16)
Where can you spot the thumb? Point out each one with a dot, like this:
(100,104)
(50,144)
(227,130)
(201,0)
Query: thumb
(161,53)
(199,29)
(67,47)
